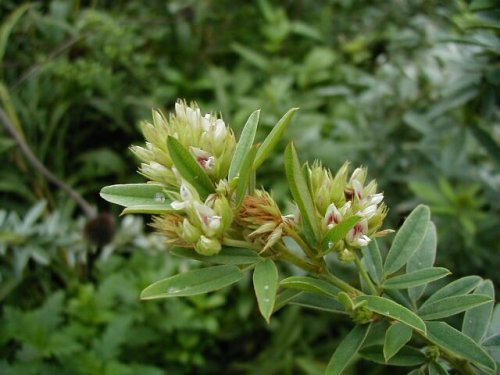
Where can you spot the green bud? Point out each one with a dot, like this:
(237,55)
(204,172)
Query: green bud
(207,246)
(190,233)
(346,256)
(362,315)
(223,209)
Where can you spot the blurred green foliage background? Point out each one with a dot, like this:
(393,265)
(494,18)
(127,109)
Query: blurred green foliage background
(408,88)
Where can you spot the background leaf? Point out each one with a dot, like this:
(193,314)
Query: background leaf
(476,320)
(347,350)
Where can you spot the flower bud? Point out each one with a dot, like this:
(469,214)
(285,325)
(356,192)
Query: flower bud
(207,246)
(362,315)
(190,233)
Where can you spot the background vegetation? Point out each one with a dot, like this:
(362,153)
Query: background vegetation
(409,89)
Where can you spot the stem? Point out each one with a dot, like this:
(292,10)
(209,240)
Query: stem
(295,259)
(339,283)
(303,245)
(364,274)
(238,243)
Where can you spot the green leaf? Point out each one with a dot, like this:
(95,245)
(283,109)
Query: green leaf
(424,257)
(346,301)
(199,281)
(151,209)
(407,239)
(416,371)
(396,337)
(284,297)
(451,305)
(407,356)
(318,302)
(372,260)
(228,255)
(265,283)
(476,320)
(435,368)
(310,284)
(244,145)
(273,138)
(7,26)
(493,340)
(189,168)
(347,350)
(413,279)
(132,195)
(244,177)
(301,194)
(393,310)
(455,288)
(459,345)
(339,231)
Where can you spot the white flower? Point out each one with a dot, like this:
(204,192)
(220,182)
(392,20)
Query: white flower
(204,158)
(357,236)
(210,222)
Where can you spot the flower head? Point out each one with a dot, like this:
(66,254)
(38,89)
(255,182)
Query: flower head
(207,137)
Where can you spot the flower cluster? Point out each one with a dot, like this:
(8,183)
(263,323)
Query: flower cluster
(341,197)
(194,223)
(207,137)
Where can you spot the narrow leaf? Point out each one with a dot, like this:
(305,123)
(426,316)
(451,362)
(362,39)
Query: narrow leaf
(493,340)
(130,195)
(459,344)
(407,239)
(476,320)
(435,368)
(373,261)
(301,194)
(393,310)
(318,302)
(244,145)
(7,26)
(199,281)
(151,209)
(244,176)
(265,283)
(310,284)
(347,350)
(228,255)
(413,279)
(451,305)
(339,231)
(285,297)
(424,257)
(455,288)
(189,168)
(396,337)
(407,356)
(273,138)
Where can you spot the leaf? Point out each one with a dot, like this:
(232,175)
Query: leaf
(476,320)
(151,209)
(449,306)
(413,279)
(244,145)
(424,257)
(189,168)
(373,261)
(228,255)
(455,288)
(435,368)
(244,177)
(7,26)
(493,340)
(265,283)
(416,371)
(408,239)
(346,301)
(134,195)
(396,337)
(393,310)
(273,138)
(318,302)
(339,231)
(301,194)
(310,284)
(191,283)
(285,297)
(347,350)
(459,345)
(407,356)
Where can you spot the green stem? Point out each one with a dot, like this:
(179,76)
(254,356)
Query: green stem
(364,274)
(286,254)
(339,283)
(309,251)
(241,244)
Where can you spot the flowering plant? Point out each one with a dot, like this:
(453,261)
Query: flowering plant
(202,191)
